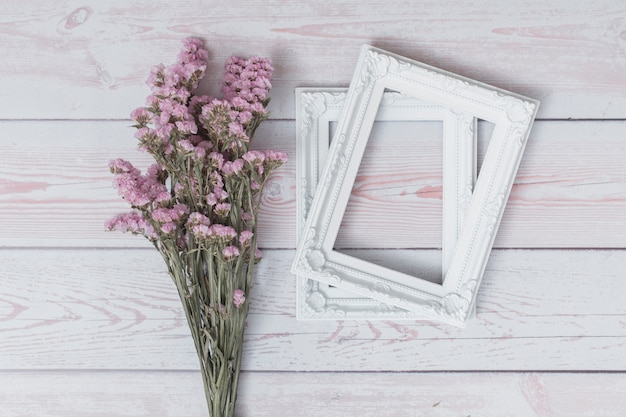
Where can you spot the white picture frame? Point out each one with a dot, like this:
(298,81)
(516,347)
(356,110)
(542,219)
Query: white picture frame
(512,116)
(316,109)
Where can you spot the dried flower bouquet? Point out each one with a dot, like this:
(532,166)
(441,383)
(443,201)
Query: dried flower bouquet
(198,203)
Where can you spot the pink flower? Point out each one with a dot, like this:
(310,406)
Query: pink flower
(244,117)
(186,145)
(187,127)
(199,153)
(230,252)
(216,180)
(200,226)
(156,75)
(216,159)
(254,157)
(245,237)
(231,168)
(222,209)
(239,297)
(180,210)
(139,190)
(225,232)
(132,222)
(202,231)
(179,80)
(155,171)
(162,215)
(152,103)
(275,158)
(196,218)
(220,194)
(193,50)
(243,76)
(162,197)
(144,133)
(168,228)
(257,108)
(211,199)
(166,215)
(236,129)
(239,103)
(141,116)
(121,166)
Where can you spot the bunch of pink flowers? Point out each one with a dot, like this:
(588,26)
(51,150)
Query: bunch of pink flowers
(198,202)
(201,148)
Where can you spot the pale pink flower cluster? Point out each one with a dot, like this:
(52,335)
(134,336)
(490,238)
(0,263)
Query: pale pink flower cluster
(172,110)
(203,191)
(170,218)
(227,125)
(245,237)
(226,233)
(239,297)
(132,222)
(166,215)
(222,209)
(179,80)
(248,80)
(231,168)
(264,160)
(199,225)
(207,232)
(141,191)
(168,114)
(274,159)
(230,252)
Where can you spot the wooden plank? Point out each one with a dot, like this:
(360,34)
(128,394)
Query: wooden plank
(55,189)
(116,309)
(61,177)
(141,393)
(96,328)
(92,60)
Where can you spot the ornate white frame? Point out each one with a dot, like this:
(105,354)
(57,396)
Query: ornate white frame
(512,116)
(316,108)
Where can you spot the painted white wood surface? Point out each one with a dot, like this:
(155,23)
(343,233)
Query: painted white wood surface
(88,59)
(90,324)
(172,394)
(117,309)
(56,188)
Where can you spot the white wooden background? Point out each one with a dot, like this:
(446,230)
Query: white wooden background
(89,321)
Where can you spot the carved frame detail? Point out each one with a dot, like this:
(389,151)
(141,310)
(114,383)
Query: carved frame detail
(316,108)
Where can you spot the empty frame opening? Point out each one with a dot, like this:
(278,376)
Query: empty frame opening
(484,133)
(394,214)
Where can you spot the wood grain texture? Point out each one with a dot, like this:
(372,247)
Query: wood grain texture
(117,309)
(171,394)
(55,188)
(90,60)
(90,324)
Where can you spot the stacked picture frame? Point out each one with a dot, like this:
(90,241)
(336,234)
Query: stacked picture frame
(332,284)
